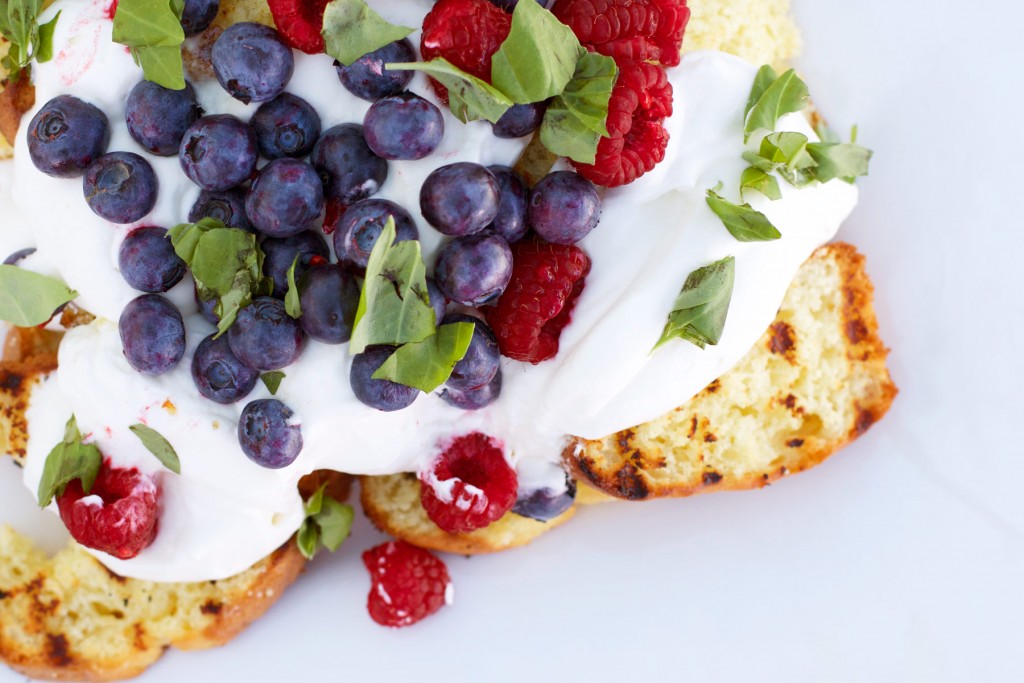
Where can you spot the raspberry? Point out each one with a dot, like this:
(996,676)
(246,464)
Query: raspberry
(470,485)
(628,30)
(407,584)
(119,514)
(299,22)
(466,33)
(537,304)
(640,102)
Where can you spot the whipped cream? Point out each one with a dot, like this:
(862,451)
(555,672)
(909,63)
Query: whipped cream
(223,512)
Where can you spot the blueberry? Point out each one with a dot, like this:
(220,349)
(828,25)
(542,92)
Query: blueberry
(381,394)
(329,297)
(564,207)
(285,199)
(545,504)
(520,120)
(252,63)
(280,252)
(359,227)
(218,152)
(152,334)
(268,435)
(265,337)
(460,198)
(438,301)
(197,15)
(21,254)
(67,135)
(227,206)
(510,222)
(403,126)
(207,308)
(482,360)
(120,187)
(218,373)
(348,167)
(367,77)
(286,126)
(475,269)
(510,5)
(158,117)
(474,399)
(148,262)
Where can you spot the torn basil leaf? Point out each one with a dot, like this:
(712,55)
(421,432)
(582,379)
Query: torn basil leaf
(69,460)
(151,30)
(772,97)
(156,444)
(351,29)
(742,222)
(759,180)
(576,120)
(28,299)
(847,161)
(469,97)
(537,59)
(292,306)
(327,524)
(699,312)
(428,364)
(272,380)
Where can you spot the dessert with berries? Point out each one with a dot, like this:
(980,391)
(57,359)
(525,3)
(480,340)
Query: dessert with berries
(479,254)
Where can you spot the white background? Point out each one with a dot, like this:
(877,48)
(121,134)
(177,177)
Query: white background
(901,559)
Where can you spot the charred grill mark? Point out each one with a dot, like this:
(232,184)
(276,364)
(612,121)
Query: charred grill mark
(212,607)
(783,340)
(865,418)
(630,483)
(57,651)
(795,443)
(711,478)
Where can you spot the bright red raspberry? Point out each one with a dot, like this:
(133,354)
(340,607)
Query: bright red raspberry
(641,101)
(119,514)
(300,22)
(407,584)
(465,32)
(537,304)
(470,484)
(628,30)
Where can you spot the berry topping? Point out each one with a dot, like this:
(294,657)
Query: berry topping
(67,135)
(520,120)
(357,230)
(438,301)
(268,435)
(148,262)
(537,304)
(403,126)
(640,102)
(564,207)
(545,504)
(228,207)
(329,295)
(197,15)
(280,253)
(469,485)
(157,117)
(218,373)
(120,187)
(349,169)
(119,514)
(218,152)
(252,63)
(382,394)
(465,32)
(152,334)
(474,270)
(265,337)
(460,198)
(368,78)
(510,222)
(482,360)
(286,198)
(474,399)
(407,584)
(300,23)
(286,126)
(628,30)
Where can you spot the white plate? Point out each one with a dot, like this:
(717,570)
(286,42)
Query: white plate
(900,559)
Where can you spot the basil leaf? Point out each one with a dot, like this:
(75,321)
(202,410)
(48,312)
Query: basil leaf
(766,75)
(28,299)
(576,120)
(787,152)
(161,65)
(156,444)
(69,460)
(428,364)
(44,42)
(272,380)
(742,222)
(308,539)
(151,29)
(351,30)
(699,312)
(394,306)
(292,306)
(838,160)
(537,59)
(327,523)
(469,97)
(19,25)
(785,95)
(760,181)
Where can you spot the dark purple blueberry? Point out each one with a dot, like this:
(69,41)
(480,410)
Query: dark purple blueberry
(460,198)
(349,169)
(438,301)
(197,15)
(285,199)
(120,187)
(158,117)
(357,230)
(148,262)
(265,337)
(329,295)
(67,135)
(482,360)
(152,334)
(474,399)
(228,207)
(268,434)
(367,77)
(381,394)
(280,252)
(218,152)
(475,269)
(252,63)
(510,5)
(520,120)
(286,126)
(510,222)
(218,373)
(19,256)
(403,126)
(207,309)
(544,505)
(564,207)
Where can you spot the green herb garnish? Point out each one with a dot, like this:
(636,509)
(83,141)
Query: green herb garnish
(28,299)
(772,97)
(576,120)
(469,97)
(69,460)
(537,59)
(151,29)
(352,30)
(292,306)
(760,181)
(742,222)
(848,161)
(327,524)
(272,380)
(699,312)
(156,444)
(19,25)
(802,162)
(428,364)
